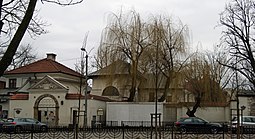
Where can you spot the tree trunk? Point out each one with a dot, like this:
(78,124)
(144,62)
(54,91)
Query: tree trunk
(191,113)
(166,90)
(132,94)
(134,77)
(1,22)
(14,44)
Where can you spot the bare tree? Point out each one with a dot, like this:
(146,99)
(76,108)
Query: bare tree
(24,55)
(239,37)
(17,17)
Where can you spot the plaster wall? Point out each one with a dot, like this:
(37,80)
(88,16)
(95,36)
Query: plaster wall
(128,111)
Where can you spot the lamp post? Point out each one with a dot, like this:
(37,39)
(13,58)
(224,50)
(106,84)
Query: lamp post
(86,84)
(86,93)
(79,102)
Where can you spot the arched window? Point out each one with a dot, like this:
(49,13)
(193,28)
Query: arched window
(110,91)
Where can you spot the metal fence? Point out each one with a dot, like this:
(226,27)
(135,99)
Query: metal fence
(137,130)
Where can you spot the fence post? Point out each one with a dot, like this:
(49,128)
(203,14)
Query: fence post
(123,132)
(223,126)
(32,131)
(172,130)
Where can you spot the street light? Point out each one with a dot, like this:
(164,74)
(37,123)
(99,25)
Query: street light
(86,92)
(81,84)
(86,84)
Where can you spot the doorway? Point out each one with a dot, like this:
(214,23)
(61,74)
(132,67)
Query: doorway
(46,109)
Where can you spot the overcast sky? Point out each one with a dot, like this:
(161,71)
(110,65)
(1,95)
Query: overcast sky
(70,24)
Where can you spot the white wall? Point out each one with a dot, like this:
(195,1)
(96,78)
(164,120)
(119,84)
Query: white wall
(25,106)
(129,111)
(244,101)
(70,105)
(93,106)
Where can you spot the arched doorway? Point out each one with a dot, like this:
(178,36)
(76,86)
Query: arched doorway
(46,109)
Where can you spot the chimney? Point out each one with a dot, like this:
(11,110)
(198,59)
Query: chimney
(51,56)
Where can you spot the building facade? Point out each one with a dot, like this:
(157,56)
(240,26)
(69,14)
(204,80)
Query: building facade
(50,92)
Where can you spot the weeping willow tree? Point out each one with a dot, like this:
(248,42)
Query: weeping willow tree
(125,38)
(170,43)
(205,79)
(135,41)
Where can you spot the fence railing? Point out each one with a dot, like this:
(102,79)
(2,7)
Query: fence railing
(134,130)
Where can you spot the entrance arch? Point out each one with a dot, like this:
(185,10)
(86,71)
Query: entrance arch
(46,109)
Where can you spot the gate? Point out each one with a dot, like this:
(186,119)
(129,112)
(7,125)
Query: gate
(46,110)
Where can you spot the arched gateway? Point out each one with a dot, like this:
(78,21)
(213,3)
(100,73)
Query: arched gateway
(46,109)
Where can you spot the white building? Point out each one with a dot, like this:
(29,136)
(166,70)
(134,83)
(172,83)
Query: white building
(50,92)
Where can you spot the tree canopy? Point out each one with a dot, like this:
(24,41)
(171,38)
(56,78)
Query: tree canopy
(238,38)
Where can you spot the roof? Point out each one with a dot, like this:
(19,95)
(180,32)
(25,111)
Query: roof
(246,93)
(203,104)
(117,67)
(90,96)
(19,97)
(7,91)
(43,66)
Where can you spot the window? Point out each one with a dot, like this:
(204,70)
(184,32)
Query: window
(12,83)
(4,114)
(30,120)
(21,120)
(169,99)
(187,120)
(2,85)
(110,91)
(199,121)
(247,119)
(151,97)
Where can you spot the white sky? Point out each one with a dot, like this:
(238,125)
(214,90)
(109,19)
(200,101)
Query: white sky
(70,24)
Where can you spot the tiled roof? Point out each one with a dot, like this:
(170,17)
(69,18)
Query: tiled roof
(246,93)
(43,66)
(203,104)
(117,67)
(19,97)
(90,96)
